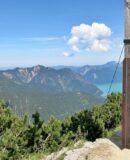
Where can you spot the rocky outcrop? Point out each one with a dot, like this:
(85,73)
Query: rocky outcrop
(101,149)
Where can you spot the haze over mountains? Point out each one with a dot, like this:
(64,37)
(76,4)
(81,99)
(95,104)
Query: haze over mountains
(55,91)
(98,74)
(49,79)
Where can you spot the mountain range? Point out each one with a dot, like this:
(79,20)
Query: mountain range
(57,91)
(98,74)
(47,90)
(49,79)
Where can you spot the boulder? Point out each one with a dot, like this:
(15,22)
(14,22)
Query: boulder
(101,149)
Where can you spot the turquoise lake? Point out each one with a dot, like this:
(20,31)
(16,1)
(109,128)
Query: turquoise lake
(116,87)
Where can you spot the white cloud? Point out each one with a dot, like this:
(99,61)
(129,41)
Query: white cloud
(100,45)
(73,42)
(43,39)
(94,37)
(67,54)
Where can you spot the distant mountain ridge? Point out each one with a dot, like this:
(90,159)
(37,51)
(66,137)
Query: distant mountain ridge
(55,91)
(50,80)
(48,91)
(98,74)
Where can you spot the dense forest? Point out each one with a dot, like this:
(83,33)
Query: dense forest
(20,138)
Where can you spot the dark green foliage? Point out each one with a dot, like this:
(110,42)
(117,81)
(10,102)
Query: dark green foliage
(97,122)
(110,112)
(13,136)
(18,137)
(35,134)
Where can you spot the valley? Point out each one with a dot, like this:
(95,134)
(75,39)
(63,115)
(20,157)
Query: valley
(57,91)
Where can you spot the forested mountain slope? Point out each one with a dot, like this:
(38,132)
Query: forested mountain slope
(46,90)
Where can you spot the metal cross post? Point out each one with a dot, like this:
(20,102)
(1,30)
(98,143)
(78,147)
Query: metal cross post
(126,81)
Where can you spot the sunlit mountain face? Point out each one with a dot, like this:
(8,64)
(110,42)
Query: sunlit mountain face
(47,90)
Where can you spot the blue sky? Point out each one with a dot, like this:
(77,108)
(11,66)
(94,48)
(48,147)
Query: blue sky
(56,32)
